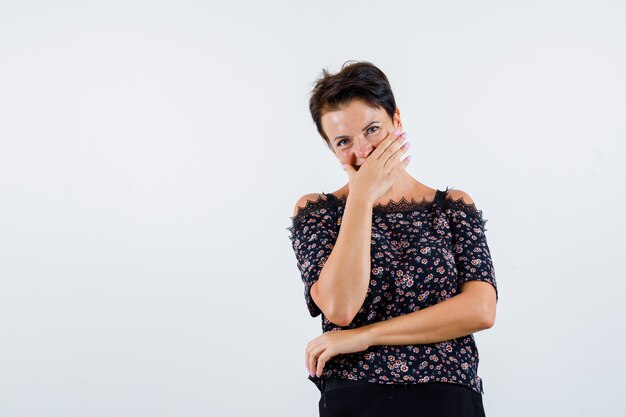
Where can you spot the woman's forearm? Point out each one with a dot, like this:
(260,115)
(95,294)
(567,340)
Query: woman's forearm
(344,280)
(455,317)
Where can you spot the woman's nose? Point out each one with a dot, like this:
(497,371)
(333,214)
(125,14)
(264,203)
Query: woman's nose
(363,148)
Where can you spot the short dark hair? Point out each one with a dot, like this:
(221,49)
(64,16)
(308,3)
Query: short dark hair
(356,80)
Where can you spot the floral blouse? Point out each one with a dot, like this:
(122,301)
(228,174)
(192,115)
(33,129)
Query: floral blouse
(422,251)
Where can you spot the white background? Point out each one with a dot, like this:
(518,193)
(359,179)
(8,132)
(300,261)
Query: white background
(151,154)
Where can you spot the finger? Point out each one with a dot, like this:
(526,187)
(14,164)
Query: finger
(309,356)
(395,159)
(320,364)
(393,153)
(314,347)
(402,165)
(349,170)
(385,143)
(306,360)
(312,362)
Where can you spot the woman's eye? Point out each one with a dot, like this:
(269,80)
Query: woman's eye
(376,128)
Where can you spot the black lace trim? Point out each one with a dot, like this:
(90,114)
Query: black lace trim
(391,206)
(326,199)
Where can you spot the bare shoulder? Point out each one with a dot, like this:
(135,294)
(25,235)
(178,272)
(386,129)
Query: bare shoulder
(302,201)
(460,195)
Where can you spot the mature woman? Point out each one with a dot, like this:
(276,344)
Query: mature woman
(400,272)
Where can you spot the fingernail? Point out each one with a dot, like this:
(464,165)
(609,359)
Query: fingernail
(404,134)
(343,167)
(396,132)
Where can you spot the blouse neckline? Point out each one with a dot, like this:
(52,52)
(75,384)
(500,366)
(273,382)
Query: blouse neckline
(392,206)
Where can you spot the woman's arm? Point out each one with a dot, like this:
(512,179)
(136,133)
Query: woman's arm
(465,313)
(458,316)
(343,282)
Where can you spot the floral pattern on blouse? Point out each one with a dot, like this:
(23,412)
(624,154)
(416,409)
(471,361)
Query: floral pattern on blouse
(422,251)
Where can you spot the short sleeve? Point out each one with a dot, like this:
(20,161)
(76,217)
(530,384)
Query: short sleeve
(313,235)
(471,251)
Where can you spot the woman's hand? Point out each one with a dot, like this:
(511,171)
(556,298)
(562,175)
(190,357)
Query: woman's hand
(380,169)
(324,347)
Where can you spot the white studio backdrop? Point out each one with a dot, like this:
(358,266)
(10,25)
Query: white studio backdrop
(151,154)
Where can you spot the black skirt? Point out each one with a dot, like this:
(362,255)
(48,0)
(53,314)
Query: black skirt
(340,397)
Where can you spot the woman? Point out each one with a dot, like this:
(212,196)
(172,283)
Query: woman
(400,272)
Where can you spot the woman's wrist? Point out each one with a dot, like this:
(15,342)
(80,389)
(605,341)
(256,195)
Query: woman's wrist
(367,335)
(360,200)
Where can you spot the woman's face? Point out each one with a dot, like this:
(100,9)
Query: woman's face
(356,130)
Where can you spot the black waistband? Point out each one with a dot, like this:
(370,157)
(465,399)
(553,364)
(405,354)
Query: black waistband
(334,383)
(329,384)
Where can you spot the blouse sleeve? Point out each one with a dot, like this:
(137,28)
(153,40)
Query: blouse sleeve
(313,235)
(471,251)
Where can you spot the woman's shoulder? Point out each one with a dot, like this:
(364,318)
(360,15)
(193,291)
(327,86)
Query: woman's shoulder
(306,201)
(459,195)
(460,203)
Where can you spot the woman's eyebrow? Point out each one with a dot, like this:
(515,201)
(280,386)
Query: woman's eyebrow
(365,128)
